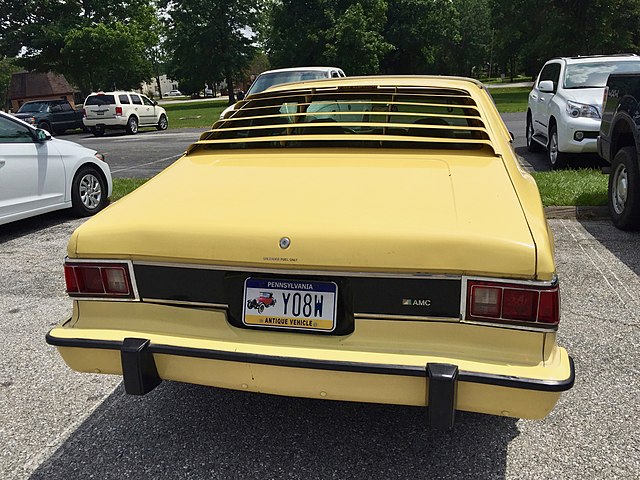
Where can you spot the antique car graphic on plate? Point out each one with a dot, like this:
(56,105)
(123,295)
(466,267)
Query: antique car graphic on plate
(417,269)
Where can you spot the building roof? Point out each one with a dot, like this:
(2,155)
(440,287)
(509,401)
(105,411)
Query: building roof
(38,84)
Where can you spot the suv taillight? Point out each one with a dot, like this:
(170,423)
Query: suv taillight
(84,112)
(513,303)
(119,111)
(98,280)
(605,95)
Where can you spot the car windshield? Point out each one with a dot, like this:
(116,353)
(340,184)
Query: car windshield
(33,107)
(595,75)
(267,80)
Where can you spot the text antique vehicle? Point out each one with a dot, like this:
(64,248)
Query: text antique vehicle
(406,253)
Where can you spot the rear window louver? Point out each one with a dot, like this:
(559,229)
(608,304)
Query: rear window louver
(354,117)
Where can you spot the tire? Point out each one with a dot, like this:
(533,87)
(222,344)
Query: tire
(557,159)
(532,145)
(132,125)
(260,308)
(97,131)
(624,190)
(88,192)
(45,126)
(163,123)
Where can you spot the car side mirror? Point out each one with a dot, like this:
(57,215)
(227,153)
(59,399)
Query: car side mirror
(155,103)
(240,96)
(546,86)
(42,135)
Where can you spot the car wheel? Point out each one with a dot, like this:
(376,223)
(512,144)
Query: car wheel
(88,192)
(557,159)
(260,308)
(132,125)
(163,123)
(45,126)
(532,145)
(97,131)
(624,190)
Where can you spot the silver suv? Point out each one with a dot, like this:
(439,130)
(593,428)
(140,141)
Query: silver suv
(565,104)
(122,110)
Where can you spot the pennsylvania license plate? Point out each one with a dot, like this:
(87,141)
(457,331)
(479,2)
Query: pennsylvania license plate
(290,304)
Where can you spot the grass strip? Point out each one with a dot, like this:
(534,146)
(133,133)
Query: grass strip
(585,187)
(511,99)
(123,186)
(194,114)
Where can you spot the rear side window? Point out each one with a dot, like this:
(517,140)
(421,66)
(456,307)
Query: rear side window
(124,99)
(136,100)
(100,100)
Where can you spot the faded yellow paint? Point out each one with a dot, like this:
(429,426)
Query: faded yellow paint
(467,212)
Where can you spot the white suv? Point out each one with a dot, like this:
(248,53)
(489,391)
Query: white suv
(122,110)
(565,105)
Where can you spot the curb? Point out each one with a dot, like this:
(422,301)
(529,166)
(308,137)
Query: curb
(577,213)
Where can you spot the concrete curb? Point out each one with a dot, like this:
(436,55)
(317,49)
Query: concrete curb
(578,213)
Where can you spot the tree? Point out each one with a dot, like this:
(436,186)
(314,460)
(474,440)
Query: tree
(209,40)
(109,37)
(8,67)
(355,42)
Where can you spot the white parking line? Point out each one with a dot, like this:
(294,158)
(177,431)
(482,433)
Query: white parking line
(133,167)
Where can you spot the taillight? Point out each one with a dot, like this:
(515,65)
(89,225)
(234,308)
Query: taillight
(512,303)
(605,95)
(98,280)
(118,111)
(84,112)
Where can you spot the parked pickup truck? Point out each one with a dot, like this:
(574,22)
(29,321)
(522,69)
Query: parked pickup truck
(619,144)
(54,115)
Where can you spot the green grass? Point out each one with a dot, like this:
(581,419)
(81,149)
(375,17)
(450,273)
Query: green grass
(194,114)
(560,188)
(572,187)
(511,99)
(123,186)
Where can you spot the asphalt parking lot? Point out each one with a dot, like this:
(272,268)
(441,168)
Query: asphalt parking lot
(56,424)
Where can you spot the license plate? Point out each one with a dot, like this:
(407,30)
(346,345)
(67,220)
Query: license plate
(100,112)
(290,304)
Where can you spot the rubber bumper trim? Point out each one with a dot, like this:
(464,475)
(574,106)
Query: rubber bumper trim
(357,367)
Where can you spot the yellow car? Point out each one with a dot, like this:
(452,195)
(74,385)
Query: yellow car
(367,239)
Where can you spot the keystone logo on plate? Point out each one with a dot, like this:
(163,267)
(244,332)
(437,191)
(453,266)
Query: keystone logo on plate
(290,304)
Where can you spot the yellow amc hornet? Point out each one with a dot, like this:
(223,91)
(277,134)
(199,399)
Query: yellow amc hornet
(366,239)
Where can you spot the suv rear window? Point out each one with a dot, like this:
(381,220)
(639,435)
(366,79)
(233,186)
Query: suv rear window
(100,100)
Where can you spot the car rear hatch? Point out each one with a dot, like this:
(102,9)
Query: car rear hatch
(100,107)
(342,209)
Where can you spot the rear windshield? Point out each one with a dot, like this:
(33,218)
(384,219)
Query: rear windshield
(33,107)
(368,116)
(594,75)
(267,80)
(100,100)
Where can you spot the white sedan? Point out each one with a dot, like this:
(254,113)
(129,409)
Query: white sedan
(39,174)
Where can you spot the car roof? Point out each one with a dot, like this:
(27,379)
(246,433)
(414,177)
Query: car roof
(115,92)
(620,57)
(383,81)
(302,69)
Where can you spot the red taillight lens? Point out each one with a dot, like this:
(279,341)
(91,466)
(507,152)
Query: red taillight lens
(119,111)
(512,303)
(98,279)
(84,112)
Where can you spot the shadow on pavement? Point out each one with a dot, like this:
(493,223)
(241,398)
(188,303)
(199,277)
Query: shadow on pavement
(188,431)
(624,245)
(30,225)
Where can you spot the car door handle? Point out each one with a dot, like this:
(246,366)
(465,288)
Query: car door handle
(534,96)
(541,99)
